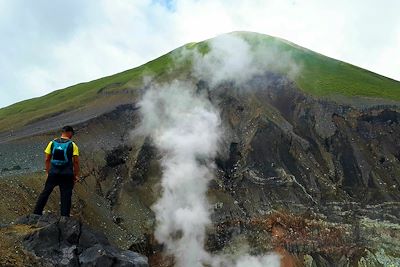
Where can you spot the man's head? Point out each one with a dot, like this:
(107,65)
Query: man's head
(68,131)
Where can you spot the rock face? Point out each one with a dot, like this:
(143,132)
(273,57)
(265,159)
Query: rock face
(332,163)
(67,242)
(317,178)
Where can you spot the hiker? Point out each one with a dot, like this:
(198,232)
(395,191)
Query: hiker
(62,168)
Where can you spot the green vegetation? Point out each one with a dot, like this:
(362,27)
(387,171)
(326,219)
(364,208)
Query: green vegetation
(76,96)
(319,75)
(323,76)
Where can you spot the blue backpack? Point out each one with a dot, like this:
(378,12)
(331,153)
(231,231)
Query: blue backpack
(59,153)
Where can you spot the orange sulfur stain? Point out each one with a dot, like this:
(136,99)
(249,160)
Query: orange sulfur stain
(287,260)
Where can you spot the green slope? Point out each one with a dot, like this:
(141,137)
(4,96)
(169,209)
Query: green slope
(76,96)
(323,76)
(319,76)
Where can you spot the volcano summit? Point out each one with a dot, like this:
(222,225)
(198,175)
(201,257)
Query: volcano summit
(241,150)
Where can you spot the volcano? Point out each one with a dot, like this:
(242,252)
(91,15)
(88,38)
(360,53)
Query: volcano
(308,165)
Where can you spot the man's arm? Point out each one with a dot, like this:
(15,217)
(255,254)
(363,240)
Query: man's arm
(47,162)
(76,168)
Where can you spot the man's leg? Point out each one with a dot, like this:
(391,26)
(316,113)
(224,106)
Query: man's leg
(66,187)
(44,196)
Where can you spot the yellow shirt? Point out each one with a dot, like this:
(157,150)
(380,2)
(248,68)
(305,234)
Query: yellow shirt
(75,149)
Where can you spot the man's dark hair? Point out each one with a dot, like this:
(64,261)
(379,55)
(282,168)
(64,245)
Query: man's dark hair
(68,129)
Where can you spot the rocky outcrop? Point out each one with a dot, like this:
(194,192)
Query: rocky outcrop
(332,163)
(68,242)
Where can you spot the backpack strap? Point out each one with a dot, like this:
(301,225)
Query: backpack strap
(68,143)
(53,146)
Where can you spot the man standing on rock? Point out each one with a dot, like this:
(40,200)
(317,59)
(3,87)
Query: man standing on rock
(62,168)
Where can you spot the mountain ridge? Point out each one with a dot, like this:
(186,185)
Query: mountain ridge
(320,76)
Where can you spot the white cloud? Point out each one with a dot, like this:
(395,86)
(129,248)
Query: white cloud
(47,45)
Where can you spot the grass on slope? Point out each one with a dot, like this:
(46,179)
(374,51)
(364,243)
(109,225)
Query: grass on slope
(75,96)
(323,76)
(319,75)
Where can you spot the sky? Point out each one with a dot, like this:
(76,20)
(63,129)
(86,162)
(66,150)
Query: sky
(51,44)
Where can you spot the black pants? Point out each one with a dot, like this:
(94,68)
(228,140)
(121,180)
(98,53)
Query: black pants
(66,184)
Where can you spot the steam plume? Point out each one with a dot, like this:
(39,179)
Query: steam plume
(186,128)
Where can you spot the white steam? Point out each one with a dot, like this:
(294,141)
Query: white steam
(186,128)
(226,60)
(260,261)
(232,58)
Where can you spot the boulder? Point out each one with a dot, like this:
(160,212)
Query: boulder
(67,242)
